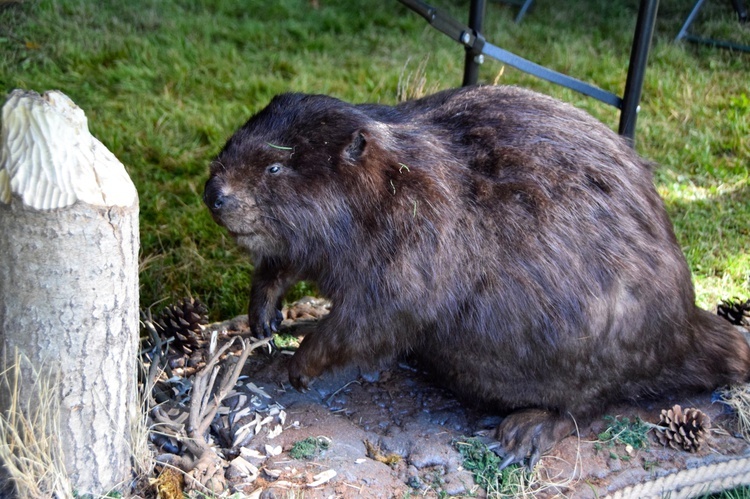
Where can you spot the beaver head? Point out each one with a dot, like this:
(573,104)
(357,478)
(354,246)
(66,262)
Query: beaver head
(311,176)
(294,173)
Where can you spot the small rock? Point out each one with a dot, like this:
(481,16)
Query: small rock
(458,483)
(415,482)
(615,464)
(429,454)
(370,376)
(399,444)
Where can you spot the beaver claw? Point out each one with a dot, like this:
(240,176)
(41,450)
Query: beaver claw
(299,381)
(526,435)
(264,327)
(516,456)
(306,364)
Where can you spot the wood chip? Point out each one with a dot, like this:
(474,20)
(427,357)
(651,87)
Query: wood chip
(265,421)
(273,451)
(273,473)
(275,432)
(246,468)
(244,431)
(242,413)
(322,478)
(251,453)
(255,389)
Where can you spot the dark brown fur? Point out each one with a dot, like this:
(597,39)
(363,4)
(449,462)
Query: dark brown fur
(512,241)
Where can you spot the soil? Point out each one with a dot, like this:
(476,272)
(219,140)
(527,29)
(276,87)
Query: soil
(396,434)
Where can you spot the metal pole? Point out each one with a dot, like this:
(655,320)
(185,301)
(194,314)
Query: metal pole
(524,8)
(689,20)
(472,61)
(637,69)
(739,7)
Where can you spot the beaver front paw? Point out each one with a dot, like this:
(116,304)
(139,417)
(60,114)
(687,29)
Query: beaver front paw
(264,320)
(530,433)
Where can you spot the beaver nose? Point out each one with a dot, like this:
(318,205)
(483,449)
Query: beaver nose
(213,196)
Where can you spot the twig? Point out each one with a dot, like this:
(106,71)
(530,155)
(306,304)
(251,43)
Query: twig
(330,398)
(159,364)
(203,407)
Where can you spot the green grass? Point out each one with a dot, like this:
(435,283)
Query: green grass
(309,448)
(739,493)
(621,430)
(512,481)
(164,83)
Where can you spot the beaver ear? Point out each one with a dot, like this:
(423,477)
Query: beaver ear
(356,147)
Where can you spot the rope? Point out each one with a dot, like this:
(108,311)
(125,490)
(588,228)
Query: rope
(693,482)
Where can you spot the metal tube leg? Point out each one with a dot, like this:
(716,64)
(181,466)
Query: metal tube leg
(524,8)
(471,64)
(689,20)
(644,31)
(739,7)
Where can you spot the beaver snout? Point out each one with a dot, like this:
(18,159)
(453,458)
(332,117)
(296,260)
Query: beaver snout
(215,198)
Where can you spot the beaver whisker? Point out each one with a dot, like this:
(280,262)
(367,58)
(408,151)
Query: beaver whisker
(279,220)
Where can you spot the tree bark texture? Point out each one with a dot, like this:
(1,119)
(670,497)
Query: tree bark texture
(69,302)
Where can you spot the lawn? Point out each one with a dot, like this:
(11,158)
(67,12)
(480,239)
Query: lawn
(164,83)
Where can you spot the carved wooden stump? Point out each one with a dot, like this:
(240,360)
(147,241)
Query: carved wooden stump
(69,282)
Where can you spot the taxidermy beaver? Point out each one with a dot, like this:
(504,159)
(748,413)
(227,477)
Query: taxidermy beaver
(511,241)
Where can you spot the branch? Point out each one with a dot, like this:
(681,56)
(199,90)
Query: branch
(202,407)
(205,465)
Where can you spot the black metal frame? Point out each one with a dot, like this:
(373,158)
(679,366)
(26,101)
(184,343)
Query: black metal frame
(477,47)
(524,5)
(742,16)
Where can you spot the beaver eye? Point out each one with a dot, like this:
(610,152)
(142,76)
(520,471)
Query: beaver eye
(274,169)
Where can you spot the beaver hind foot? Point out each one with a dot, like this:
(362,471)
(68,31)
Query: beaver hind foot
(524,436)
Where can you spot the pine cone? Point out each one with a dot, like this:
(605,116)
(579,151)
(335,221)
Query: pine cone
(735,311)
(184,322)
(683,429)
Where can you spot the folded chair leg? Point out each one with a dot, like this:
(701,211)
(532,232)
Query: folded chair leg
(689,20)
(524,8)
